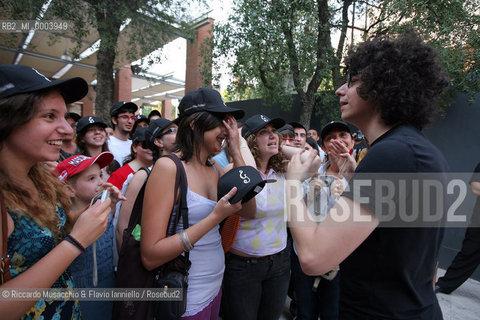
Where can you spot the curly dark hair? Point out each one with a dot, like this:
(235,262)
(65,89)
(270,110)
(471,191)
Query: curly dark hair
(277,162)
(403,75)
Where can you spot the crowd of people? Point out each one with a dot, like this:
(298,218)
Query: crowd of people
(287,240)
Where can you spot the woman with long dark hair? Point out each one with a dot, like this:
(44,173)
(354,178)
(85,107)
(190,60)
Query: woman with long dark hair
(204,122)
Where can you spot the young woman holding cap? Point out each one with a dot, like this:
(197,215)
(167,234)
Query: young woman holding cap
(204,122)
(42,239)
(257,270)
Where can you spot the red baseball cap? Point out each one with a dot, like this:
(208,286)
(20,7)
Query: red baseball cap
(76,164)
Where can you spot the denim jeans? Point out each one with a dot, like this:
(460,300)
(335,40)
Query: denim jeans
(255,288)
(324,302)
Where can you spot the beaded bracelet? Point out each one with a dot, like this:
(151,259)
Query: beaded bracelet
(75,242)
(184,241)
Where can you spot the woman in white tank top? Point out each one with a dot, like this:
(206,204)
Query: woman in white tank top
(204,122)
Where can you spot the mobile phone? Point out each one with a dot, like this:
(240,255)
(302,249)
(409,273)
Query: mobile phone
(102,196)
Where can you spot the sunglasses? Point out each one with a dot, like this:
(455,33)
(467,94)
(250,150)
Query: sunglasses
(171,130)
(125,117)
(145,145)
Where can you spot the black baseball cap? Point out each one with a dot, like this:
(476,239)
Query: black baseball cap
(286,129)
(247,180)
(155,129)
(72,115)
(259,121)
(85,122)
(123,106)
(332,125)
(17,79)
(206,99)
(295,124)
(139,135)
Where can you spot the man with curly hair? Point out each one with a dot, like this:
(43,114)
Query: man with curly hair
(386,266)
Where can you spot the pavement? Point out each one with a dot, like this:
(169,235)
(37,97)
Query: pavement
(462,304)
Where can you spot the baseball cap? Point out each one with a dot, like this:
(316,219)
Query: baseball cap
(334,125)
(259,121)
(206,99)
(17,79)
(84,122)
(123,106)
(295,124)
(76,164)
(72,115)
(155,129)
(139,135)
(247,180)
(286,129)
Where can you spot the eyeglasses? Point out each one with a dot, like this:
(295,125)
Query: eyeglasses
(288,139)
(145,145)
(171,130)
(125,117)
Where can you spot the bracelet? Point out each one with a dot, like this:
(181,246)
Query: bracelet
(184,241)
(75,242)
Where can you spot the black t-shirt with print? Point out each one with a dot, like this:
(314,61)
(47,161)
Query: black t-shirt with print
(389,276)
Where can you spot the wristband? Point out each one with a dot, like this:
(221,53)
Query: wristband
(75,242)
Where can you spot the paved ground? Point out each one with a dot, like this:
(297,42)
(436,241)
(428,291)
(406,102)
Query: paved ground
(462,304)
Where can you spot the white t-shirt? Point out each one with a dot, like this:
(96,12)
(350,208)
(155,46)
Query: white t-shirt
(119,148)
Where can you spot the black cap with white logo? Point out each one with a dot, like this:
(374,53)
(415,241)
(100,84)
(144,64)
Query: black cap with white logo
(259,121)
(247,180)
(85,122)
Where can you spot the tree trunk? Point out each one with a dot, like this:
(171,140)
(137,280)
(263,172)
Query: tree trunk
(308,102)
(108,30)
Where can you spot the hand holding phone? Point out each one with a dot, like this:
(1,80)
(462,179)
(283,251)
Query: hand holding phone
(102,196)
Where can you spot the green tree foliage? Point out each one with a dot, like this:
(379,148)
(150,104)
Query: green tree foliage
(148,24)
(277,48)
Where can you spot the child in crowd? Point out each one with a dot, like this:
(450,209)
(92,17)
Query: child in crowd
(94,268)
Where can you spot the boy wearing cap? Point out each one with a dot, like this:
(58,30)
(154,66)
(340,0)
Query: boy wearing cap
(83,180)
(387,263)
(123,118)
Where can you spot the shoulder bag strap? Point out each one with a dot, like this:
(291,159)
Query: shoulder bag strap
(5,259)
(136,216)
(182,206)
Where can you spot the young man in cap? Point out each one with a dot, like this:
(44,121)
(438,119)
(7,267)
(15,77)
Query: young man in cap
(387,261)
(123,117)
(300,134)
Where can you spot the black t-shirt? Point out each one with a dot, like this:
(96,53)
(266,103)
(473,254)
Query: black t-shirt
(389,276)
(475,219)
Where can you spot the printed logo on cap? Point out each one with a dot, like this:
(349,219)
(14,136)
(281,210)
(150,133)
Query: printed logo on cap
(264,118)
(77,160)
(244,177)
(41,75)
(90,119)
(63,175)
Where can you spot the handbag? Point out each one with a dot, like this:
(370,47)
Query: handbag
(5,261)
(130,270)
(174,274)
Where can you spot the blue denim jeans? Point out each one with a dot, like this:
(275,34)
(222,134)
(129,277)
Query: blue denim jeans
(255,288)
(310,304)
